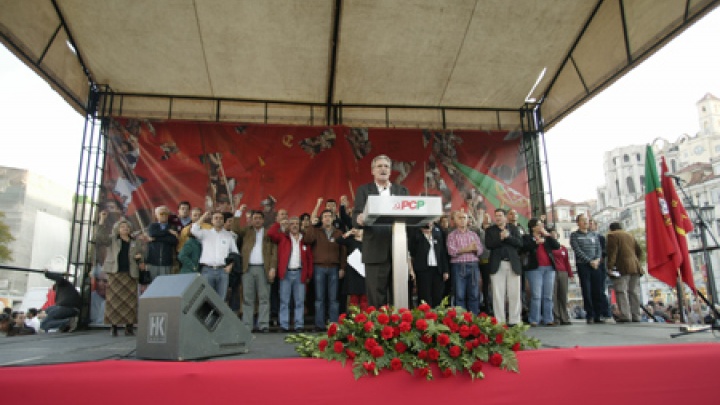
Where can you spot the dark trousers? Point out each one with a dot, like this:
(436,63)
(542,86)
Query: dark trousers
(57,317)
(485,277)
(592,284)
(377,283)
(430,286)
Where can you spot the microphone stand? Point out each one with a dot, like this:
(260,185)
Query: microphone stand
(700,221)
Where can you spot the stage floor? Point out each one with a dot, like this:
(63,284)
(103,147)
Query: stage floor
(97,344)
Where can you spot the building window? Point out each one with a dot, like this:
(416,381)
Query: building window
(637,156)
(630,185)
(626,158)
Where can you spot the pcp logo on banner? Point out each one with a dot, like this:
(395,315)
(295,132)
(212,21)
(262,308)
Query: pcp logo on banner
(157,327)
(408,205)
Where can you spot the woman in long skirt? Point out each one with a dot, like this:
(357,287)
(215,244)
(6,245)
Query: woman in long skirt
(123,264)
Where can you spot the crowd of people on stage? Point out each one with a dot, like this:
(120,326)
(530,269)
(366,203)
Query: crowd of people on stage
(276,269)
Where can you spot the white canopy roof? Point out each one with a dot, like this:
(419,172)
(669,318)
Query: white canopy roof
(434,63)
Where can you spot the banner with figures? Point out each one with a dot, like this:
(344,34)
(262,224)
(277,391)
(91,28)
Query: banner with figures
(222,165)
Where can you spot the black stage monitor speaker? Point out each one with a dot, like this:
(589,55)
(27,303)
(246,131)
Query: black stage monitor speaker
(181,317)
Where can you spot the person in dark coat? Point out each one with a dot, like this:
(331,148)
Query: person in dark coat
(430,262)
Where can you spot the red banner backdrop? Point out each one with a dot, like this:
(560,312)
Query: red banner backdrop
(222,165)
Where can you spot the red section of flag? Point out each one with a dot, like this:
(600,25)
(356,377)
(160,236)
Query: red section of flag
(663,258)
(681,223)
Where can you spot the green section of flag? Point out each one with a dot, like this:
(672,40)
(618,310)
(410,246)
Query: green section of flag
(487,187)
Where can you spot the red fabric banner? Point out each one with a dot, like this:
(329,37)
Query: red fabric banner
(681,224)
(222,165)
(663,254)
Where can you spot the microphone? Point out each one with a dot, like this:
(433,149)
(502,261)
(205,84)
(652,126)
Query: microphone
(674,176)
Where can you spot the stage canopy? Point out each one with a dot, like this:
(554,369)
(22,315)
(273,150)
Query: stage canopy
(423,63)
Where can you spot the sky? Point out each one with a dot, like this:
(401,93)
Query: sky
(40,131)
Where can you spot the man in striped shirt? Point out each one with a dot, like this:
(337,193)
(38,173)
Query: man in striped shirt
(465,248)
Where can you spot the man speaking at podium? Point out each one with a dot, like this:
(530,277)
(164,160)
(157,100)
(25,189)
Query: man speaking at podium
(377,239)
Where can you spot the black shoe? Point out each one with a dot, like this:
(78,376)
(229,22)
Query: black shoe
(129,330)
(566,323)
(590,321)
(265,330)
(114,331)
(599,321)
(622,321)
(283,330)
(299,330)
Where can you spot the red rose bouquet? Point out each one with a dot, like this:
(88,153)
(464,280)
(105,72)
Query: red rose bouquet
(388,339)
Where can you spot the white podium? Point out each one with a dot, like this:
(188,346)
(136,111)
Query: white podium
(398,212)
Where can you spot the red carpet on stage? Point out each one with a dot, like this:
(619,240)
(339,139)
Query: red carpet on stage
(661,374)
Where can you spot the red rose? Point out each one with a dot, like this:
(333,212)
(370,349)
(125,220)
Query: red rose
(360,318)
(447,372)
(387,332)
(369,310)
(433,354)
(403,310)
(455,351)
(452,313)
(476,342)
(407,317)
(505,326)
(447,321)
(424,307)
(377,351)
(322,345)
(469,345)
(499,339)
(483,315)
(332,330)
(443,339)
(370,343)
(464,331)
(342,317)
(421,324)
(476,366)
(427,339)
(516,347)
(369,366)
(454,327)
(396,332)
(496,359)
(405,327)
(400,347)
(350,354)
(475,330)
(368,326)
(396,364)
(351,338)
(395,318)
(483,339)
(423,372)
(338,347)
(493,320)
(383,319)
(431,315)
(422,354)
(468,316)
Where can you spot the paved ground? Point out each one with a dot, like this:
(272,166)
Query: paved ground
(97,344)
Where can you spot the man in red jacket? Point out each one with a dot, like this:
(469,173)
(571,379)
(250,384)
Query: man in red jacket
(295,267)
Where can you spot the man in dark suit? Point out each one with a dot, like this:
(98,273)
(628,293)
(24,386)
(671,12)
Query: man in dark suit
(377,239)
(504,240)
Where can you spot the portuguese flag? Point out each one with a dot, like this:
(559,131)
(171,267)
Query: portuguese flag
(663,253)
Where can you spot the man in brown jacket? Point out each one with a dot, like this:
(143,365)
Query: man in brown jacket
(623,256)
(329,258)
(259,255)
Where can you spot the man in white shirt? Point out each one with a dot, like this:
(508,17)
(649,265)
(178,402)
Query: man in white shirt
(217,244)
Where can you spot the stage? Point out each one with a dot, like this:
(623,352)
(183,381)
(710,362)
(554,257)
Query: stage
(589,364)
